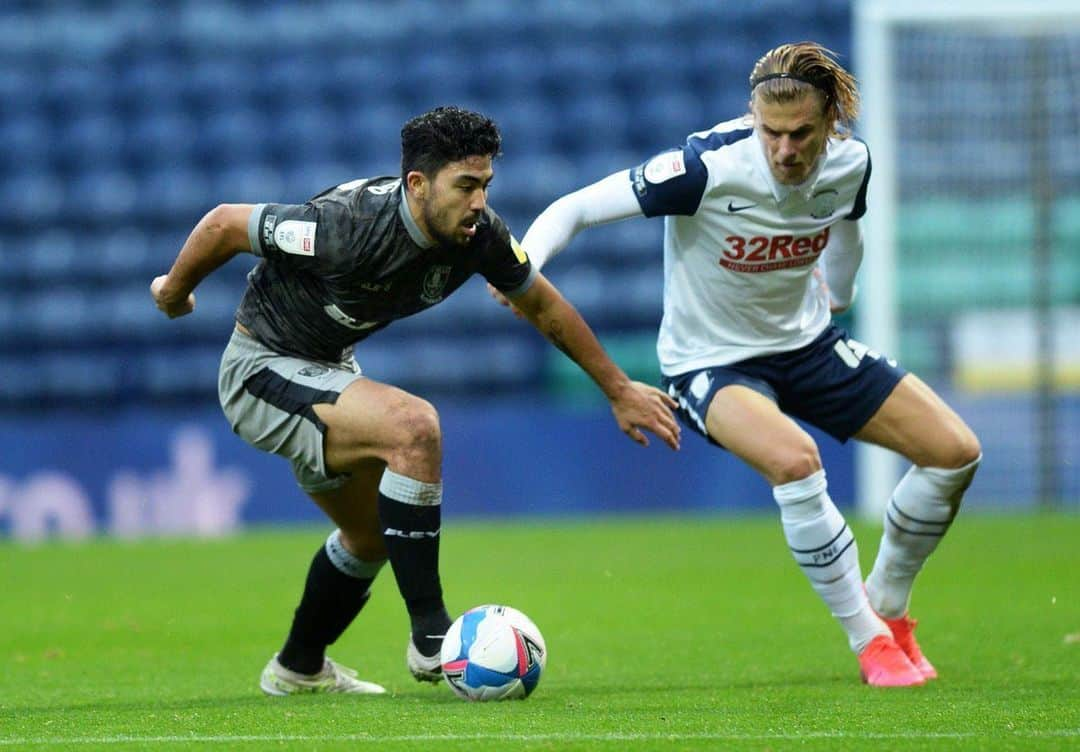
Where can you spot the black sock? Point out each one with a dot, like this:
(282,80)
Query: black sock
(331,600)
(411,532)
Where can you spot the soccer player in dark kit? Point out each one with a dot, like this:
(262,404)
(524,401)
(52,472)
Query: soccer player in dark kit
(333,271)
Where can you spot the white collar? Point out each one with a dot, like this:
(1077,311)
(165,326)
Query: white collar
(779,190)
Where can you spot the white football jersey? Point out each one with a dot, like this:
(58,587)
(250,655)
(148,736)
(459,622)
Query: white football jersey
(740,249)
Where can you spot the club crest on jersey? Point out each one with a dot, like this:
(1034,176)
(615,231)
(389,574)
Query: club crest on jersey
(434,283)
(823,204)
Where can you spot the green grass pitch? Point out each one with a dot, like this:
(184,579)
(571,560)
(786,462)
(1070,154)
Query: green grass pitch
(663,634)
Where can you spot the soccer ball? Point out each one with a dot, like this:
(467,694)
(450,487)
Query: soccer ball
(493,653)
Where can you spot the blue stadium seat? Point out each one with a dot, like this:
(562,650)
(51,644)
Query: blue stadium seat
(234,134)
(74,88)
(90,139)
(59,313)
(152,83)
(305,132)
(126,253)
(593,121)
(101,194)
(528,125)
(577,69)
(304,179)
(159,376)
(665,118)
(439,77)
(509,72)
(22,380)
(31,197)
(174,192)
(251,183)
(26,139)
(371,131)
(9,319)
(164,138)
(210,83)
(360,79)
(87,375)
(534,180)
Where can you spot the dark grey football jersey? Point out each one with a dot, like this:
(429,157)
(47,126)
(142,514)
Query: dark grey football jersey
(352,260)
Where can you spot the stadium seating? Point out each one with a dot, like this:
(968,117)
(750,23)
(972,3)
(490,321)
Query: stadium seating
(133,119)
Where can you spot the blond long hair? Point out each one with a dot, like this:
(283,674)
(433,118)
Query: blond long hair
(790,71)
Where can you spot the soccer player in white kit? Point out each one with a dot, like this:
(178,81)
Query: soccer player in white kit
(761,246)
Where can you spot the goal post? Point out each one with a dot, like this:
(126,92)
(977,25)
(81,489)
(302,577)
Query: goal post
(913,60)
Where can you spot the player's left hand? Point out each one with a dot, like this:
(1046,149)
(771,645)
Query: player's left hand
(641,406)
(823,289)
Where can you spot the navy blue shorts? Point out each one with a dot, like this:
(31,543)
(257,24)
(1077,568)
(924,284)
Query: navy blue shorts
(835,383)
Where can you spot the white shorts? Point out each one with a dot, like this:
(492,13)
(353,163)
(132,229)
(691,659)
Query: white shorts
(268,398)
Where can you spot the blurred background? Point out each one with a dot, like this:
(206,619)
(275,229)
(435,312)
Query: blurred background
(123,122)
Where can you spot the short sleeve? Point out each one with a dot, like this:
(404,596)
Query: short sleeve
(506,265)
(859,208)
(308,234)
(672,182)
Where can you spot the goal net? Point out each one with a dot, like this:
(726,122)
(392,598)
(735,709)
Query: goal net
(971,109)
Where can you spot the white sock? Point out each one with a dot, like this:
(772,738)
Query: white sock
(825,548)
(921,509)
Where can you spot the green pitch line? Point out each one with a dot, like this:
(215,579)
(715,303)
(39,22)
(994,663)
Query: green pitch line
(664,634)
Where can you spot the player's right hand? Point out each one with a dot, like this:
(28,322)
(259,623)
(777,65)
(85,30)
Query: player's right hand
(642,406)
(166,304)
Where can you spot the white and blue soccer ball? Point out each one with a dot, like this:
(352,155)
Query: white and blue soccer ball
(493,653)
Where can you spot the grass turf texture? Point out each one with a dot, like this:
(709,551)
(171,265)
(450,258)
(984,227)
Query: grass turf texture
(663,634)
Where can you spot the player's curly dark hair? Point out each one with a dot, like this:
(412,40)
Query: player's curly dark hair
(444,135)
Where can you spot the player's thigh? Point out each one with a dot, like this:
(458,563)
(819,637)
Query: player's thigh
(916,423)
(268,400)
(354,508)
(375,421)
(752,427)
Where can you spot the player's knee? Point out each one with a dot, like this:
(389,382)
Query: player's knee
(417,431)
(969,449)
(962,450)
(795,464)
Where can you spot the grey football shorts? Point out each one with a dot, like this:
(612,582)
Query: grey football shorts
(268,398)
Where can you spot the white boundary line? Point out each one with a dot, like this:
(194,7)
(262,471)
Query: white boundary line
(557,737)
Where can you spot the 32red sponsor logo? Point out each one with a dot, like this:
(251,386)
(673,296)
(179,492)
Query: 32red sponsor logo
(762,253)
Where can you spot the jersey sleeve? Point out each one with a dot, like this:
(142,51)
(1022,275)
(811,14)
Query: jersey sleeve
(505,265)
(859,208)
(672,182)
(311,235)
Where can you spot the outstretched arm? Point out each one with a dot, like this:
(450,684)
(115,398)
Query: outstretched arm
(607,200)
(218,236)
(636,406)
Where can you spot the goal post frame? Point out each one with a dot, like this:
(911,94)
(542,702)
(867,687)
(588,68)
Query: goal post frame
(878,470)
